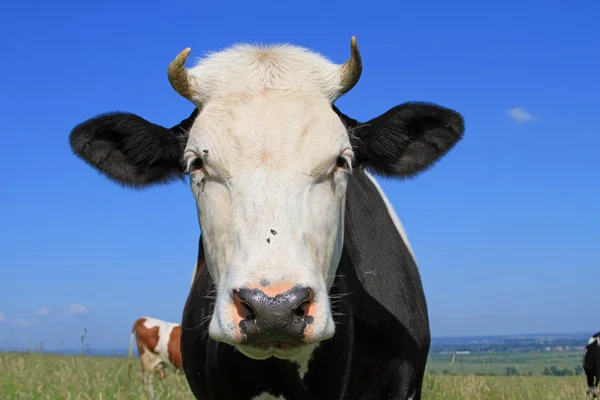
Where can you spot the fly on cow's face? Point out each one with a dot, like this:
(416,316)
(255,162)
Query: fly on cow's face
(200,184)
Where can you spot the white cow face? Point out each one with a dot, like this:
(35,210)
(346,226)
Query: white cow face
(268,160)
(269,184)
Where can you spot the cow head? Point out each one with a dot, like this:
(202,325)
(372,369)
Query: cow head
(268,158)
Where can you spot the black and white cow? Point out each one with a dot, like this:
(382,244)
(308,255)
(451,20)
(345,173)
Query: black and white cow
(305,285)
(591,364)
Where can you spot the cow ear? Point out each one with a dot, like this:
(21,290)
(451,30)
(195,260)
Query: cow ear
(130,150)
(407,139)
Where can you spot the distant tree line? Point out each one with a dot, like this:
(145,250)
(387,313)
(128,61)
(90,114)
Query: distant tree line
(554,371)
(508,345)
(513,371)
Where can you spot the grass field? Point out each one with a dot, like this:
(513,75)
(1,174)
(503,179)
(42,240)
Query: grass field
(37,376)
(526,363)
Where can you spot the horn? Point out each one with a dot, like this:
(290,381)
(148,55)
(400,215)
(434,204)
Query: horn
(352,69)
(178,75)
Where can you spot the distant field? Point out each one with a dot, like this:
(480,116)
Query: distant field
(532,363)
(36,376)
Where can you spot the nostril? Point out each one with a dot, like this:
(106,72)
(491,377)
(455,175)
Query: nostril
(302,310)
(250,314)
(305,295)
(244,310)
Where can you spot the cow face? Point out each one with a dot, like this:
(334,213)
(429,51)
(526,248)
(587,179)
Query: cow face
(268,157)
(269,183)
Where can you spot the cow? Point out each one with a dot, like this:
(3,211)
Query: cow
(305,285)
(591,364)
(158,344)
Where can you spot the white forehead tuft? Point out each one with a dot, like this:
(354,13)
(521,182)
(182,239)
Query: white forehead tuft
(251,69)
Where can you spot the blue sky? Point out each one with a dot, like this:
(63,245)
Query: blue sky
(505,228)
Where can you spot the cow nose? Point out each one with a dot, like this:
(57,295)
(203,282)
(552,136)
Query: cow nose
(278,319)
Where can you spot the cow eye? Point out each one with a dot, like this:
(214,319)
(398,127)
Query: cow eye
(341,162)
(197,164)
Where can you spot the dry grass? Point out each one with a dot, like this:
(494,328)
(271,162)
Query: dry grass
(504,387)
(35,376)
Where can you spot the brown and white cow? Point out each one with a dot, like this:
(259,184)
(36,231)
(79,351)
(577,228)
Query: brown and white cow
(158,346)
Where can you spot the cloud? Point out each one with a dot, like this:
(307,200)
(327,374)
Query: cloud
(20,322)
(67,314)
(72,310)
(14,321)
(43,312)
(76,309)
(519,115)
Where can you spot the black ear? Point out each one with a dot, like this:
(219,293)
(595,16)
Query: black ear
(406,140)
(131,150)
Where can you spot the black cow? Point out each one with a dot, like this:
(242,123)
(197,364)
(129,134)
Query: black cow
(305,287)
(591,364)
